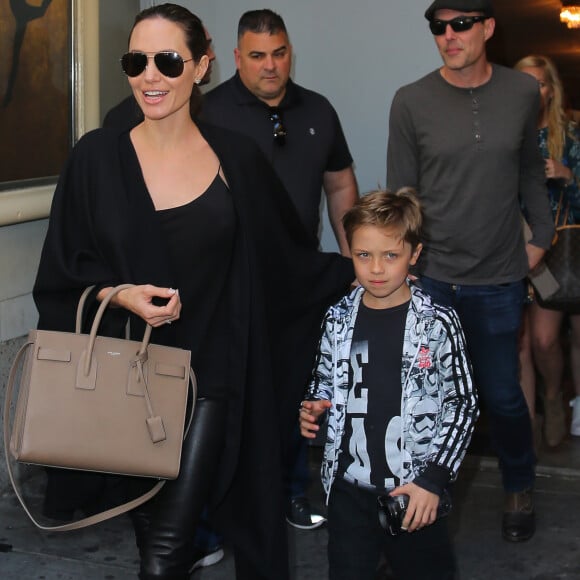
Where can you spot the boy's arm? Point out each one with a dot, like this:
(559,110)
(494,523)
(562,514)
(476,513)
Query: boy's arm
(460,410)
(319,392)
(321,384)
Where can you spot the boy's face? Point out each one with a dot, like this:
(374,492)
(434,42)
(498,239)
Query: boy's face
(381,261)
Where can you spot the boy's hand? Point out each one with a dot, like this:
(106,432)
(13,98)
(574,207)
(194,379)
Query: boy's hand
(422,509)
(310,411)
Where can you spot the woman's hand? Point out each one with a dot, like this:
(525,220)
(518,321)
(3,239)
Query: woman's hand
(139,300)
(556,170)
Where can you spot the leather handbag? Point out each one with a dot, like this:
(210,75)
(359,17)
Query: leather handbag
(95,403)
(562,262)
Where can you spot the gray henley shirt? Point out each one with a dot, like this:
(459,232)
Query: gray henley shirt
(471,154)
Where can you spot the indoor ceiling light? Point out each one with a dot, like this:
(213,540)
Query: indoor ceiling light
(570,14)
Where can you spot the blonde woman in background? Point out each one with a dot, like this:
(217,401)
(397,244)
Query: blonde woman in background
(559,142)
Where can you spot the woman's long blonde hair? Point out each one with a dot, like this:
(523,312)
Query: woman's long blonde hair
(558,120)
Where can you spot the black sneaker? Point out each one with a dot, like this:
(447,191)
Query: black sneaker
(204,558)
(299,515)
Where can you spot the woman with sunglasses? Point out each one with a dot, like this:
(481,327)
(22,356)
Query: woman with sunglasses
(195,217)
(559,142)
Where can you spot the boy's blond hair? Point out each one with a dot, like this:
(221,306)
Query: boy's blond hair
(383,208)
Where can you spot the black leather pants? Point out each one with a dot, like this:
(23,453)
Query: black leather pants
(165,526)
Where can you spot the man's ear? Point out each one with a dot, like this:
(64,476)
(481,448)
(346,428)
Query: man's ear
(488,28)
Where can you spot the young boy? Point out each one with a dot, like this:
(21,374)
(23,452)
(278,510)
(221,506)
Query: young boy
(392,373)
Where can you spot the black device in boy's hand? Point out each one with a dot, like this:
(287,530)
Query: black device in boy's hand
(392,510)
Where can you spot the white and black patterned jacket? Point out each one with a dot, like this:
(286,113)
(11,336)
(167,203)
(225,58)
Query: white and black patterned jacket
(435,374)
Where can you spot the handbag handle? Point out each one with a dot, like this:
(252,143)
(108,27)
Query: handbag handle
(154,422)
(8,401)
(558,212)
(81,307)
(97,322)
(86,378)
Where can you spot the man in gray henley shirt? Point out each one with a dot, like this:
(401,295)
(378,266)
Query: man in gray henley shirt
(465,137)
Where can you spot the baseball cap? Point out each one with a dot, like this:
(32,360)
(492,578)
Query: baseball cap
(462,5)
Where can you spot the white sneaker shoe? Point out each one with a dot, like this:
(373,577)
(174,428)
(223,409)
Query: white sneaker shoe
(575,425)
(204,558)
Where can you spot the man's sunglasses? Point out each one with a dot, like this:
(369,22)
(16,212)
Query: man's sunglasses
(279,129)
(169,64)
(459,24)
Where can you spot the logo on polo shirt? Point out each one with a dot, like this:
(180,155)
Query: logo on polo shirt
(312,131)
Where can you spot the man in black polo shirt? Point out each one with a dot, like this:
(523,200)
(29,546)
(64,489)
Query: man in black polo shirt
(299,132)
(297,129)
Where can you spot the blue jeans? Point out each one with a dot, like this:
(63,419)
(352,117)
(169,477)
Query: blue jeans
(491,316)
(206,538)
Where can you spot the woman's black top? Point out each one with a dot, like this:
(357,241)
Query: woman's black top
(199,237)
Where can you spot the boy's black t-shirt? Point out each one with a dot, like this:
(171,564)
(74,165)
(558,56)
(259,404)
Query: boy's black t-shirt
(370,447)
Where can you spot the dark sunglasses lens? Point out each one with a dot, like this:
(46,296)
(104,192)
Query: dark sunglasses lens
(462,24)
(133,63)
(438,27)
(169,64)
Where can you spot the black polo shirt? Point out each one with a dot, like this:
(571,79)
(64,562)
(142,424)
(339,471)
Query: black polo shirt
(314,143)
(126,115)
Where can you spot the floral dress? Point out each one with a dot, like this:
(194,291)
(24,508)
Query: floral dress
(571,159)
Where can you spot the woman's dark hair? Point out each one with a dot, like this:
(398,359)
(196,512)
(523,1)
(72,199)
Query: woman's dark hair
(194,32)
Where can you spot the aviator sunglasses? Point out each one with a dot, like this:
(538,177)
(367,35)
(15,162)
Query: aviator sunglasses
(459,24)
(279,129)
(169,64)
